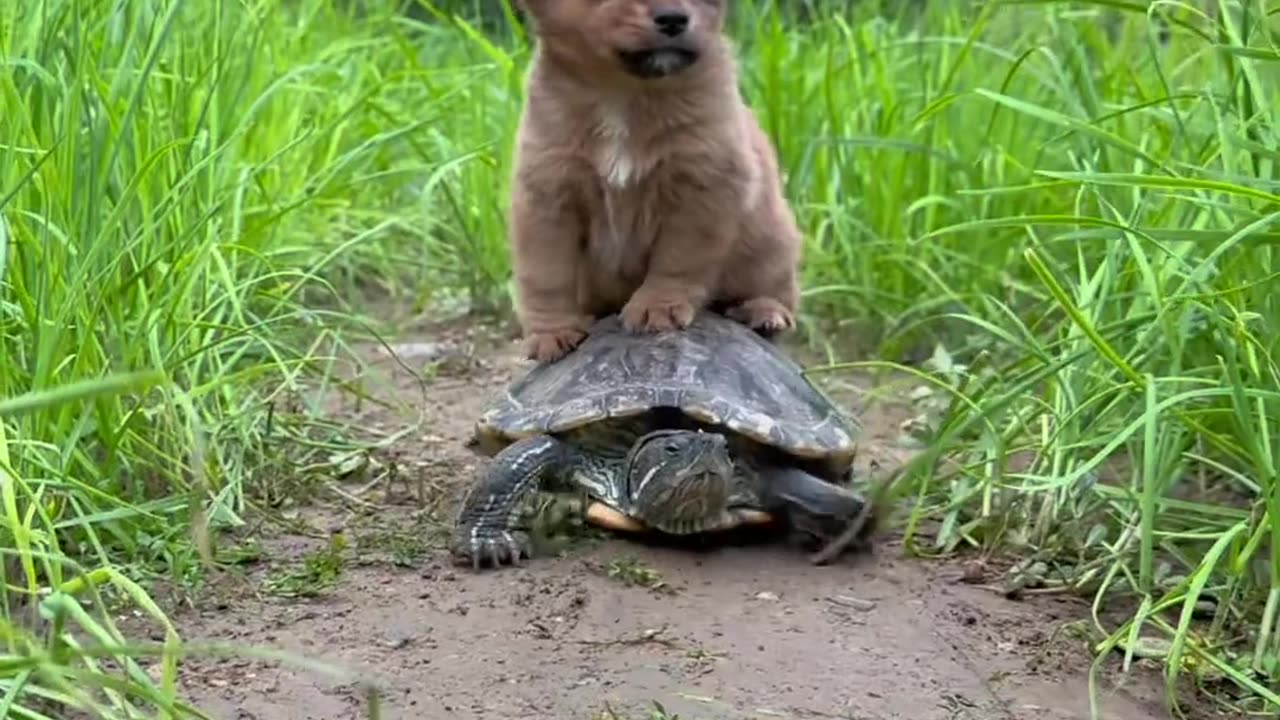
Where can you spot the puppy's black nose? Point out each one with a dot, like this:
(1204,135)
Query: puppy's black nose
(671,22)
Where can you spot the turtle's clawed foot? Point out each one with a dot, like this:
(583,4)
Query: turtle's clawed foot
(481,548)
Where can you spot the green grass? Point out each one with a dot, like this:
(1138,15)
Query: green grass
(1074,202)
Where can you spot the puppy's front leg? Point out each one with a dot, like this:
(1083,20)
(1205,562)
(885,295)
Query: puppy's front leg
(769,283)
(546,244)
(684,267)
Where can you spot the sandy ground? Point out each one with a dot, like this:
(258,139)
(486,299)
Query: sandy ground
(612,625)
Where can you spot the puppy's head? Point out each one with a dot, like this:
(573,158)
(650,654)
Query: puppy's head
(647,39)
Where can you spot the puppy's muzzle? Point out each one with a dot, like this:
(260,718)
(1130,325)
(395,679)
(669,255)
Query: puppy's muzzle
(658,61)
(671,22)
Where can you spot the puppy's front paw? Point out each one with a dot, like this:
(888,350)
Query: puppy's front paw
(551,345)
(764,315)
(656,313)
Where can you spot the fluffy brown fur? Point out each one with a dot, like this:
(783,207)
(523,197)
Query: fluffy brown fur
(643,183)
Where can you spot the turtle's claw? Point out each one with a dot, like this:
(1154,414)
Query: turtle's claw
(515,550)
(498,547)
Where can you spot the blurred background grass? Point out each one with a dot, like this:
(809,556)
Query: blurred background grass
(1060,214)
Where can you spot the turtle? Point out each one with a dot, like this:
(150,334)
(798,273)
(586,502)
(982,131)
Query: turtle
(695,430)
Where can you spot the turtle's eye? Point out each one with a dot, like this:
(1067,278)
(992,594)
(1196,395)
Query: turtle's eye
(671,448)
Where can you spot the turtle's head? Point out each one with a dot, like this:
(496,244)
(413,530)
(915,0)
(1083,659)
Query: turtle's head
(679,479)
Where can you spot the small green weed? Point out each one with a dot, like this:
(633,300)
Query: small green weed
(245,552)
(315,575)
(399,546)
(633,572)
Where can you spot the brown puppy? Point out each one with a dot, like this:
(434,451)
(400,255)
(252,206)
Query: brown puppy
(643,183)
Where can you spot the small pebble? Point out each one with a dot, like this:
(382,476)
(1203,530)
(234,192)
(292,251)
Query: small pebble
(975,572)
(853,603)
(398,643)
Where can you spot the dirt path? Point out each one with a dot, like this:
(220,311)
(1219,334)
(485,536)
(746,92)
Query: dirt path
(736,632)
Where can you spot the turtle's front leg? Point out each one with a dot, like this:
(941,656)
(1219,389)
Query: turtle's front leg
(486,525)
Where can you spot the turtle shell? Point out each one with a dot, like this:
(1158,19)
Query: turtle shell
(716,371)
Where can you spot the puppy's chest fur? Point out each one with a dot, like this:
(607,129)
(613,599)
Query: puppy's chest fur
(614,150)
(623,200)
